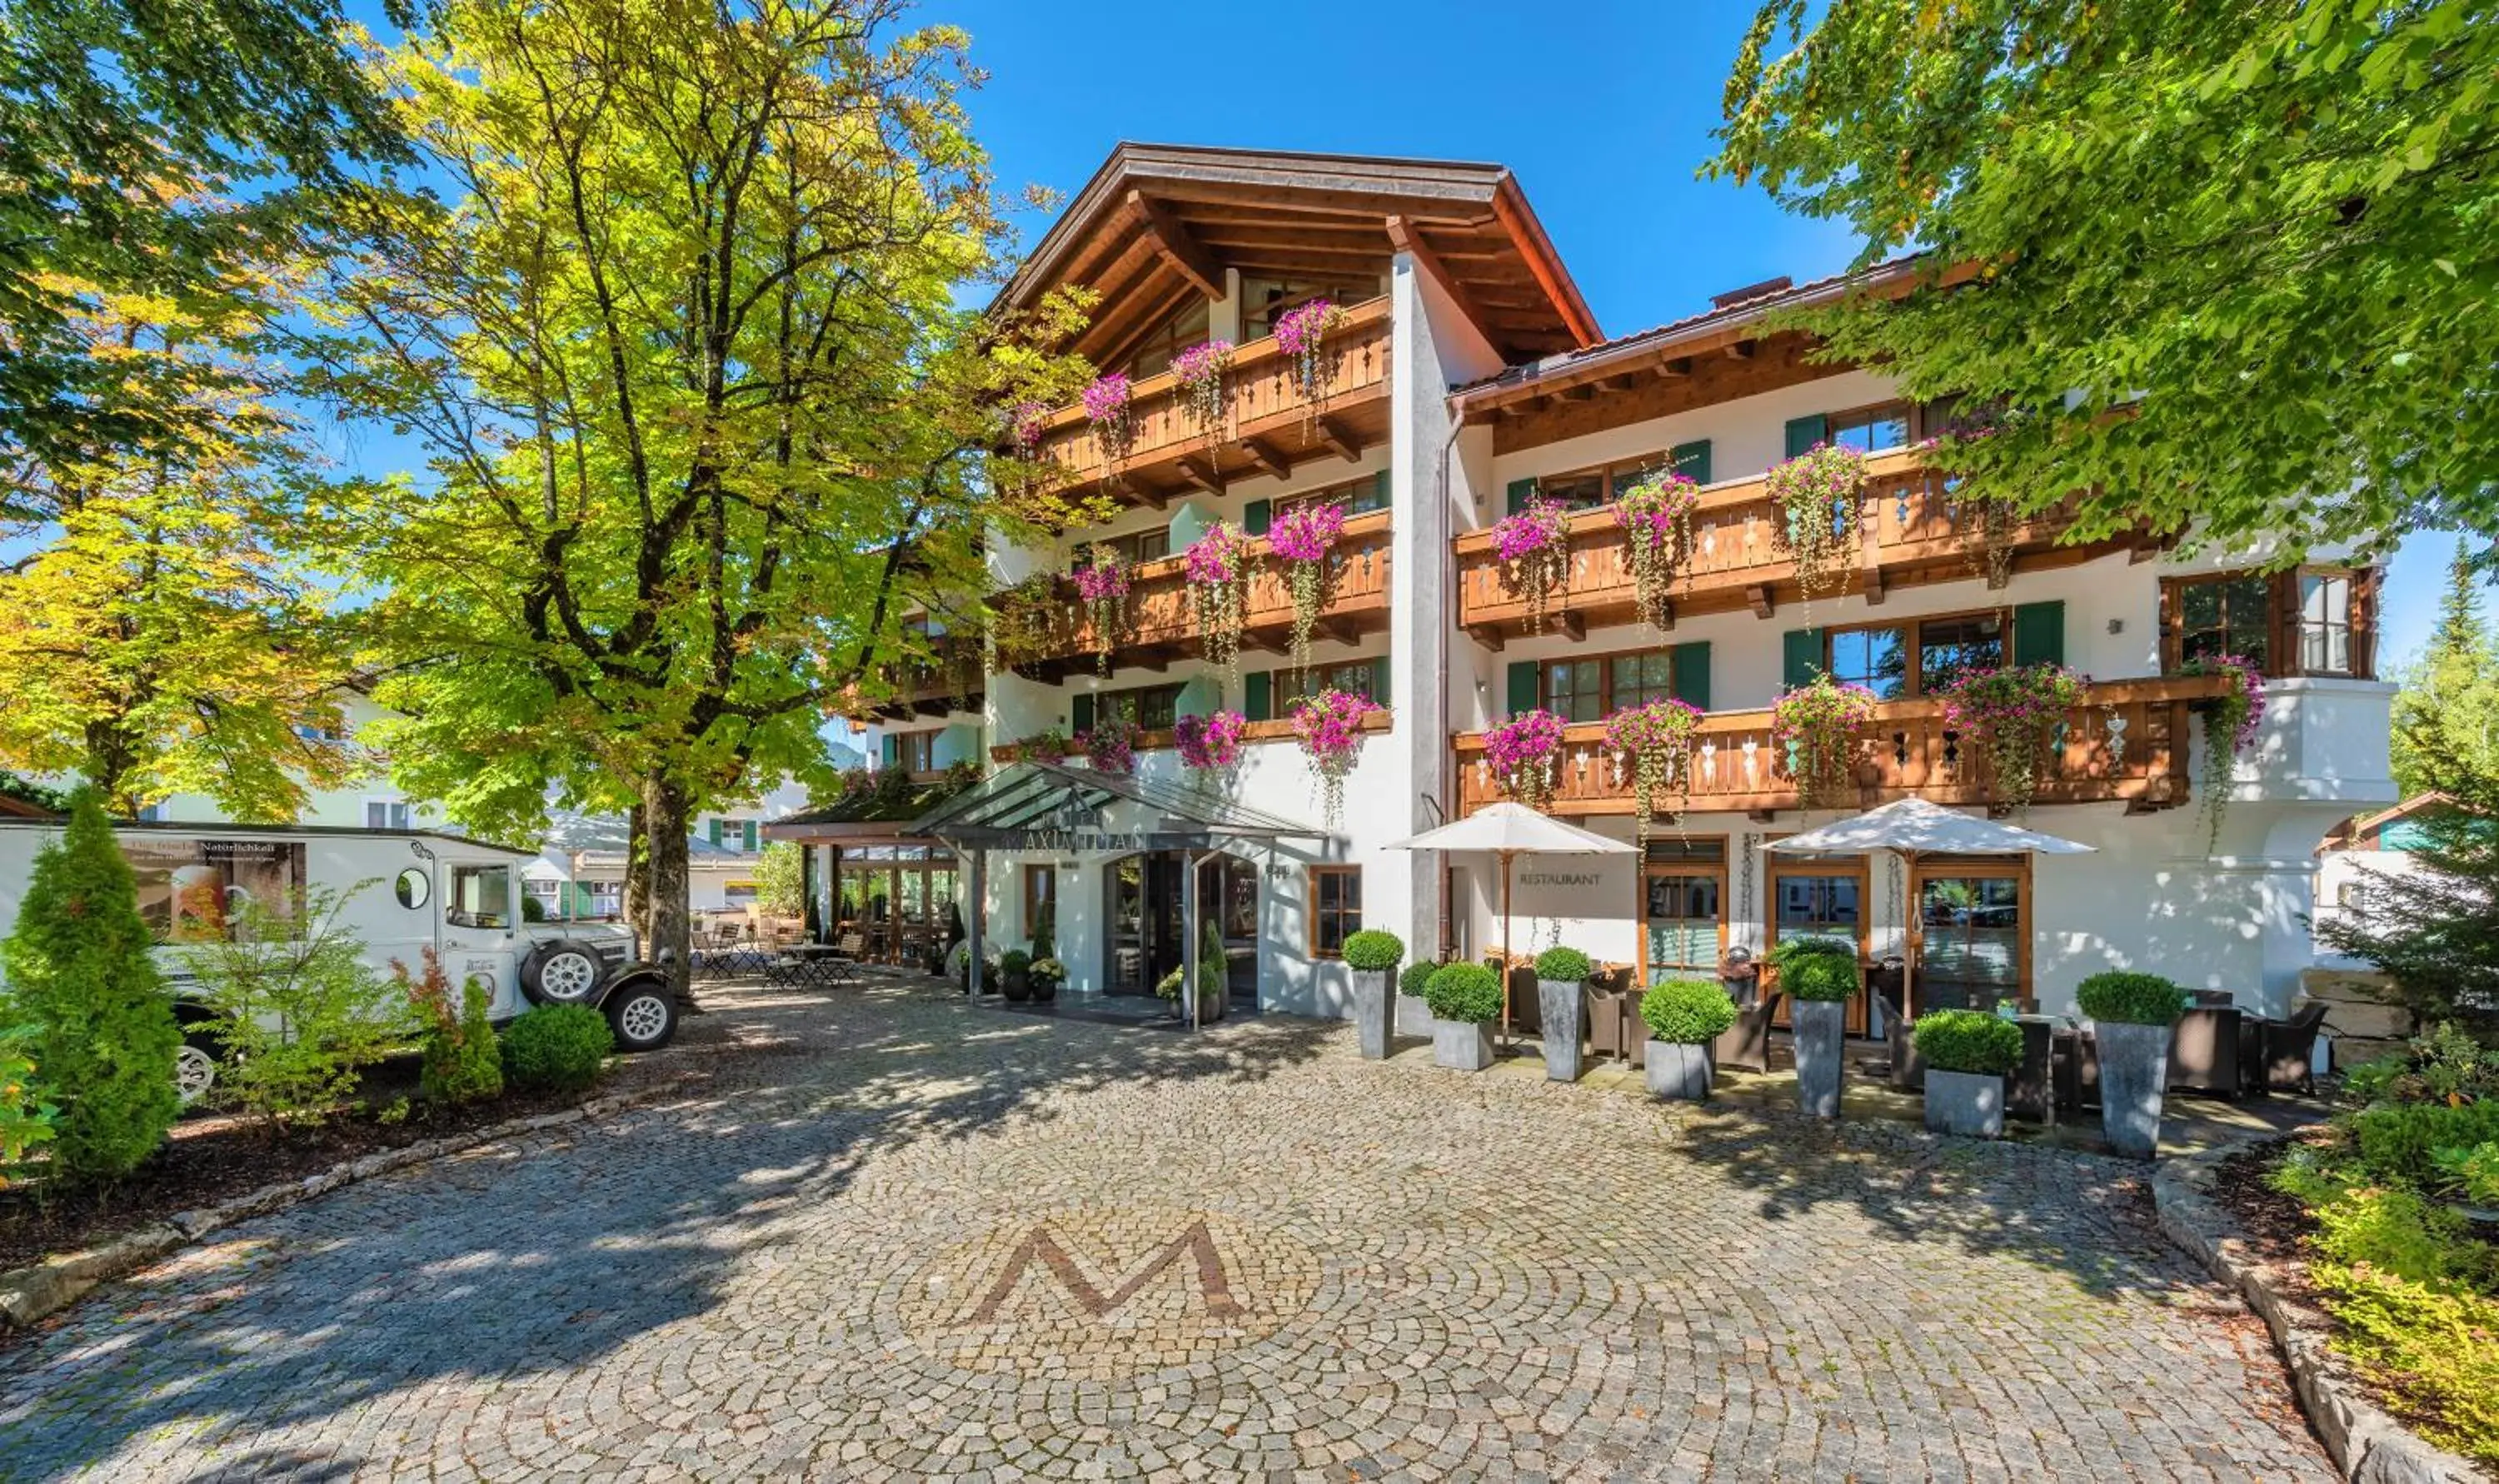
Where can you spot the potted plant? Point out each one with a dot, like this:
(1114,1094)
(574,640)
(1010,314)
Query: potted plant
(1560,972)
(1413,1016)
(1213,976)
(1684,1015)
(1464,1000)
(1047,975)
(1967,1053)
(1014,966)
(1819,977)
(2131,1015)
(1373,956)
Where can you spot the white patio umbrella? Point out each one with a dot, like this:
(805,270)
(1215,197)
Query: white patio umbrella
(1507,831)
(1914,827)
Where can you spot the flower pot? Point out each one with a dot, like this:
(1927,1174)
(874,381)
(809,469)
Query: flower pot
(1561,1011)
(1970,1104)
(1017,985)
(1413,1016)
(1818,1025)
(2134,1075)
(1465,1045)
(1678,1071)
(1375,1010)
(1044,991)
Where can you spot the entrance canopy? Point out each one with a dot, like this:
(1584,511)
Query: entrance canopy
(1049,806)
(1915,826)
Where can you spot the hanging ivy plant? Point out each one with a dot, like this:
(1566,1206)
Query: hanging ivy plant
(1329,727)
(1216,569)
(2016,714)
(1302,335)
(1022,622)
(1203,370)
(1523,752)
(1656,740)
(2232,721)
(1534,549)
(1107,407)
(1303,537)
(1103,585)
(1817,493)
(1656,517)
(1817,725)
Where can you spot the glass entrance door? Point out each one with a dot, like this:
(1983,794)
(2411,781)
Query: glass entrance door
(1684,934)
(1810,900)
(1971,929)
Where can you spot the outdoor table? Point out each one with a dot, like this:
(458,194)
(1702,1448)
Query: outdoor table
(812,966)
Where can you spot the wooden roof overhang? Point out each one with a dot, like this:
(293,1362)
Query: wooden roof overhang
(1158,224)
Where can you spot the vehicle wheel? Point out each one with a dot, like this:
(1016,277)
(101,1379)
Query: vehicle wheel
(560,974)
(195,1073)
(644,1016)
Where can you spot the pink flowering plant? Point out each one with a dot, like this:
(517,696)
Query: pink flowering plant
(1329,727)
(1103,584)
(1108,409)
(1534,549)
(1216,569)
(1656,517)
(1201,370)
(1302,335)
(1211,742)
(1816,725)
(2231,723)
(1523,752)
(2016,714)
(1024,424)
(1817,493)
(1303,537)
(1110,745)
(1655,737)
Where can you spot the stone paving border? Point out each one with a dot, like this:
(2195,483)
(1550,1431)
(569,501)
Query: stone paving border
(31,1294)
(2367,1444)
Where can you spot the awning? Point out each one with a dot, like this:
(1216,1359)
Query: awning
(869,816)
(1049,806)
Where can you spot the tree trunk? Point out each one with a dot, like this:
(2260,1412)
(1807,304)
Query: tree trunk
(665,885)
(637,874)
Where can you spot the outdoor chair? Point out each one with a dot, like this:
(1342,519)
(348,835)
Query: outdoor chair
(2204,1051)
(1745,1045)
(2289,1050)
(1614,1024)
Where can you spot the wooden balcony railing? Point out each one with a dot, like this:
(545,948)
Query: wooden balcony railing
(949,678)
(1252,733)
(1161,622)
(2127,743)
(1267,425)
(1909,529)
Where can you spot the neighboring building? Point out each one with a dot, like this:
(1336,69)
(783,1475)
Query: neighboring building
(2383,842)
(1467,378)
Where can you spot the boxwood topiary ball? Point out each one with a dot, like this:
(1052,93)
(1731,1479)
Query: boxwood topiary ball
(1687,1011)
(2130,999)
(1373,951)
(1969,1041)
(1464,991)
(1563,966)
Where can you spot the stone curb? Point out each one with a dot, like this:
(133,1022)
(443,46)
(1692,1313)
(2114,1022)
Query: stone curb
(2367,1444)
(28,1294)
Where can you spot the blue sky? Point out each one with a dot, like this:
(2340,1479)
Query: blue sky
(1602,108)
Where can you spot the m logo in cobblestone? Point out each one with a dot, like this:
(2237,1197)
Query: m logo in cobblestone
(1038,1245)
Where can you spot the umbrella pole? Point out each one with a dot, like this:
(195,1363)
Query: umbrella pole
(1507,953)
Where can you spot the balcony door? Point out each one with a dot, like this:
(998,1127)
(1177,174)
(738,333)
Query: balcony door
(1970,940)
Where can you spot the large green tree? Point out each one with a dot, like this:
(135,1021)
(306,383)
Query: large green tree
(2447,713)
(145,146)
(672,306)
(2236,262)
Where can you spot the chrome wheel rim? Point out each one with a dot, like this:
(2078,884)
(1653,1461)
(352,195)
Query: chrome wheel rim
(567,977)
(644,1017)
(195,1072)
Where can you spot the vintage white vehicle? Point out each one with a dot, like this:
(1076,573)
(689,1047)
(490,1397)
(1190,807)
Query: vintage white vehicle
(406,890)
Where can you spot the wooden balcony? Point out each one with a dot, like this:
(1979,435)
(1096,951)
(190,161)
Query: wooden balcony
(1906,531)
(1267,426)
(1160,623)
(949,678)
(2126,744)
(1253,734)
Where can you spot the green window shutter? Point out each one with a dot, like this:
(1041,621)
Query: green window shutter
(1802,652)
(1257,693)
(1522,687)
(1805,432)
(1256,516)
(2039,633)
(1081,708)
(715,831)
(893,753)
(1689,673)
(1691,460)
(1522,491)
(1379,493)
(753,840)
(1380,681)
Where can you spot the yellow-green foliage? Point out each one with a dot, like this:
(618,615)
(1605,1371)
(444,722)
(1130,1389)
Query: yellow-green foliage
(2412,1295)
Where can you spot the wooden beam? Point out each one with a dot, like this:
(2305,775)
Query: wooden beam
(1675,365)
(1263,643)
(1147,494)
(1406,238)
(1206,476)
(1267,457)
(1577,392)
(1145,657)
(1490,635)
(1574,624)
(1739,350)
(1759,597)
(1343,631)
(1872,586)
(1172,241)
(1335,436)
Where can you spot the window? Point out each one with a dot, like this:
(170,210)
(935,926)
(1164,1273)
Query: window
(1134,547)
(1265,301)
(1877,658)
(153,814)
(918,753)
(1592,688)
(481,896)
(1952,647)
(1588,487)
(1359,496)
(1575,690)
(1636,680)
(547,891)
(2325,613)
(1149,708)
(1871,429)
(1357,677)
(385,814)
(1186,327)
(606,898)
(1336,909)
(1040,902)
(1920,657)
(2227,615)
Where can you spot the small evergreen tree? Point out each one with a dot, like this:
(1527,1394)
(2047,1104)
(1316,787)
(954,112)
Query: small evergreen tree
(2446,724)
(78,967)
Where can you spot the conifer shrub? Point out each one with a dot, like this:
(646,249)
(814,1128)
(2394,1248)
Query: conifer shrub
(462,1061)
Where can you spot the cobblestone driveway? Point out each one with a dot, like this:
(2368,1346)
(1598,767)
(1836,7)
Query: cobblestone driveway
(908,1238)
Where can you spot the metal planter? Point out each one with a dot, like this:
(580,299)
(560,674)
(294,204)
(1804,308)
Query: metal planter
(1818,1026)
(1678,1071)
(1462,1044)
(1375,1011)
(1561,1014)
(1970,1104)
(2134,1078)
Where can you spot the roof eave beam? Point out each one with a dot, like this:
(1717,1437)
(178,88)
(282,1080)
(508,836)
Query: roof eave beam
(1171,239)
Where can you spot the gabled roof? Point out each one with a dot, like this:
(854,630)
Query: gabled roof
(1159,223)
